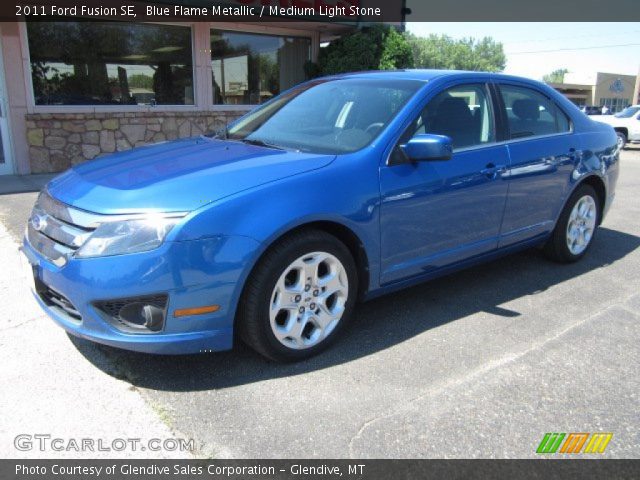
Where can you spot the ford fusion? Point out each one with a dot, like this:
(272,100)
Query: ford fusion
(336,191)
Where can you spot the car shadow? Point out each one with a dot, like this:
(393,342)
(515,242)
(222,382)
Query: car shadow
(377,325)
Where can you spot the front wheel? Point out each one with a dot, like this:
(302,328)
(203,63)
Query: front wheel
(622,140)
(576,226)
(299,296)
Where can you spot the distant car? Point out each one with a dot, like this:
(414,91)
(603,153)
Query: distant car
(592,110)
(625,123)
(338,190)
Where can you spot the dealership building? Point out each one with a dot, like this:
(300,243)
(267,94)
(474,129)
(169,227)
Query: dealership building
(610,89)
(71,91)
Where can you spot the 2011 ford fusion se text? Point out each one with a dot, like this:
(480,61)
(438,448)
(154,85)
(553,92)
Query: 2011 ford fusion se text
(338,190)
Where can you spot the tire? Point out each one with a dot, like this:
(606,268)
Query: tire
(622,140)
(284,316)
(574,232)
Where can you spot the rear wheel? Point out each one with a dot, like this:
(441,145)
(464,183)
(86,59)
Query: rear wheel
(576,226)
(299,297)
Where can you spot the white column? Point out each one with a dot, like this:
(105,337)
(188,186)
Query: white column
(202,59)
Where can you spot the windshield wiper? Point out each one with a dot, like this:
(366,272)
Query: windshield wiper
(221,133)
(261,143)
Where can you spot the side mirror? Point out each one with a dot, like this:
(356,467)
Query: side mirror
(428,147)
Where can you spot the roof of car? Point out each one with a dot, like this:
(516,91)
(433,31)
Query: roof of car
(423,74)
(412,74)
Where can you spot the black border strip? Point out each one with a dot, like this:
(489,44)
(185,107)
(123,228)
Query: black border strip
(543,468)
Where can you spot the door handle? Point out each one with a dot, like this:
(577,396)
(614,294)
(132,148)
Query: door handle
(493,171)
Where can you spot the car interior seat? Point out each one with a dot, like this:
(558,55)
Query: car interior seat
(527,113)
(454,119)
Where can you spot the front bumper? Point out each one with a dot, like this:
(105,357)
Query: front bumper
(192,273)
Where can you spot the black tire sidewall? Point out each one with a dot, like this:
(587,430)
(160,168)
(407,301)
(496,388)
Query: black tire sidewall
(267,278)
(623,137)
(559,239)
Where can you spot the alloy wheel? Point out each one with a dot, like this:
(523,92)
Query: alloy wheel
(581,225)
(308,300)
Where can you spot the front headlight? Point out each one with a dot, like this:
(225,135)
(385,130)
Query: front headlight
(127,236)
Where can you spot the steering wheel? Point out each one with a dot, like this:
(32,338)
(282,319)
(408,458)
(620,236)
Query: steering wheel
(373,127)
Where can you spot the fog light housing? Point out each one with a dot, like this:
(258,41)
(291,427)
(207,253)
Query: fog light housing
(140,315)
(136,314)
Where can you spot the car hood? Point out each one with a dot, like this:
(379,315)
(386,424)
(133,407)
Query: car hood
(182,175)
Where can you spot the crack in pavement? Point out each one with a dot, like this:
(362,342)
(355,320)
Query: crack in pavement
(483,369)
(10,327)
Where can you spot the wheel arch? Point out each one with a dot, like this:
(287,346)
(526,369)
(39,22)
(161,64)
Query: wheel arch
(623,130)
(599,186)
(342,232)
(350,239)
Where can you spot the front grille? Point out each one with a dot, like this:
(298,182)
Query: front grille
(57,230)
(57,301)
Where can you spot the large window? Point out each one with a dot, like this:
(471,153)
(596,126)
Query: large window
(614,104)
(248,69)
(529,113)
(110,63)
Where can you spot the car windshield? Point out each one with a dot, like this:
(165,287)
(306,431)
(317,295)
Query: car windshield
(628,112)
(326,116)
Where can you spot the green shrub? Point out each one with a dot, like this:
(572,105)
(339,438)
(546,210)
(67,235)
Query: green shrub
(377,47)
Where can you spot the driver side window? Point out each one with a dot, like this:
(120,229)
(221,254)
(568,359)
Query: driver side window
(462,113)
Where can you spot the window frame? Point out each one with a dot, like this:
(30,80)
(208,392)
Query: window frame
(269,33)
(506,134)
(201,61)
(493,117)
(33,108)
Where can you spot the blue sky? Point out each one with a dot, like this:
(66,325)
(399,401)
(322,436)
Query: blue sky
(534,49)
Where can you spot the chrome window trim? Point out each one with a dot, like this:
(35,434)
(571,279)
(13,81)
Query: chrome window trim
(493,144)
(515,140)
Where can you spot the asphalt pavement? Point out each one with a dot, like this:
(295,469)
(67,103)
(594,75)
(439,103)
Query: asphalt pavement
(479,364)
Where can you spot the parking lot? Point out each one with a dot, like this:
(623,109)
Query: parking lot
(481,363)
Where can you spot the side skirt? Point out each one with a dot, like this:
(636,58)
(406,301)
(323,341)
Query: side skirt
(455,267)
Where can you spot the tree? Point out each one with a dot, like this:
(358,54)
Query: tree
(444,52)
(378,47)
(557,76)
(140,80)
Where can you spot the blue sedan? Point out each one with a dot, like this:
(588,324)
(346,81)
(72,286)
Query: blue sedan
(336,191)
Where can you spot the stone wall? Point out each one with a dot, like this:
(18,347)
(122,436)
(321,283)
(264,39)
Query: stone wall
(59,140)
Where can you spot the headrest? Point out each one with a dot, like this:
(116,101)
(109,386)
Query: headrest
(526,109)
(454,107)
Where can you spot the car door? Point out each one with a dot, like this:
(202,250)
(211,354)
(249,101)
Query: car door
(437,213)
(543,151)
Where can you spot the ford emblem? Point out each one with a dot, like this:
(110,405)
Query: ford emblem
(38,222)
